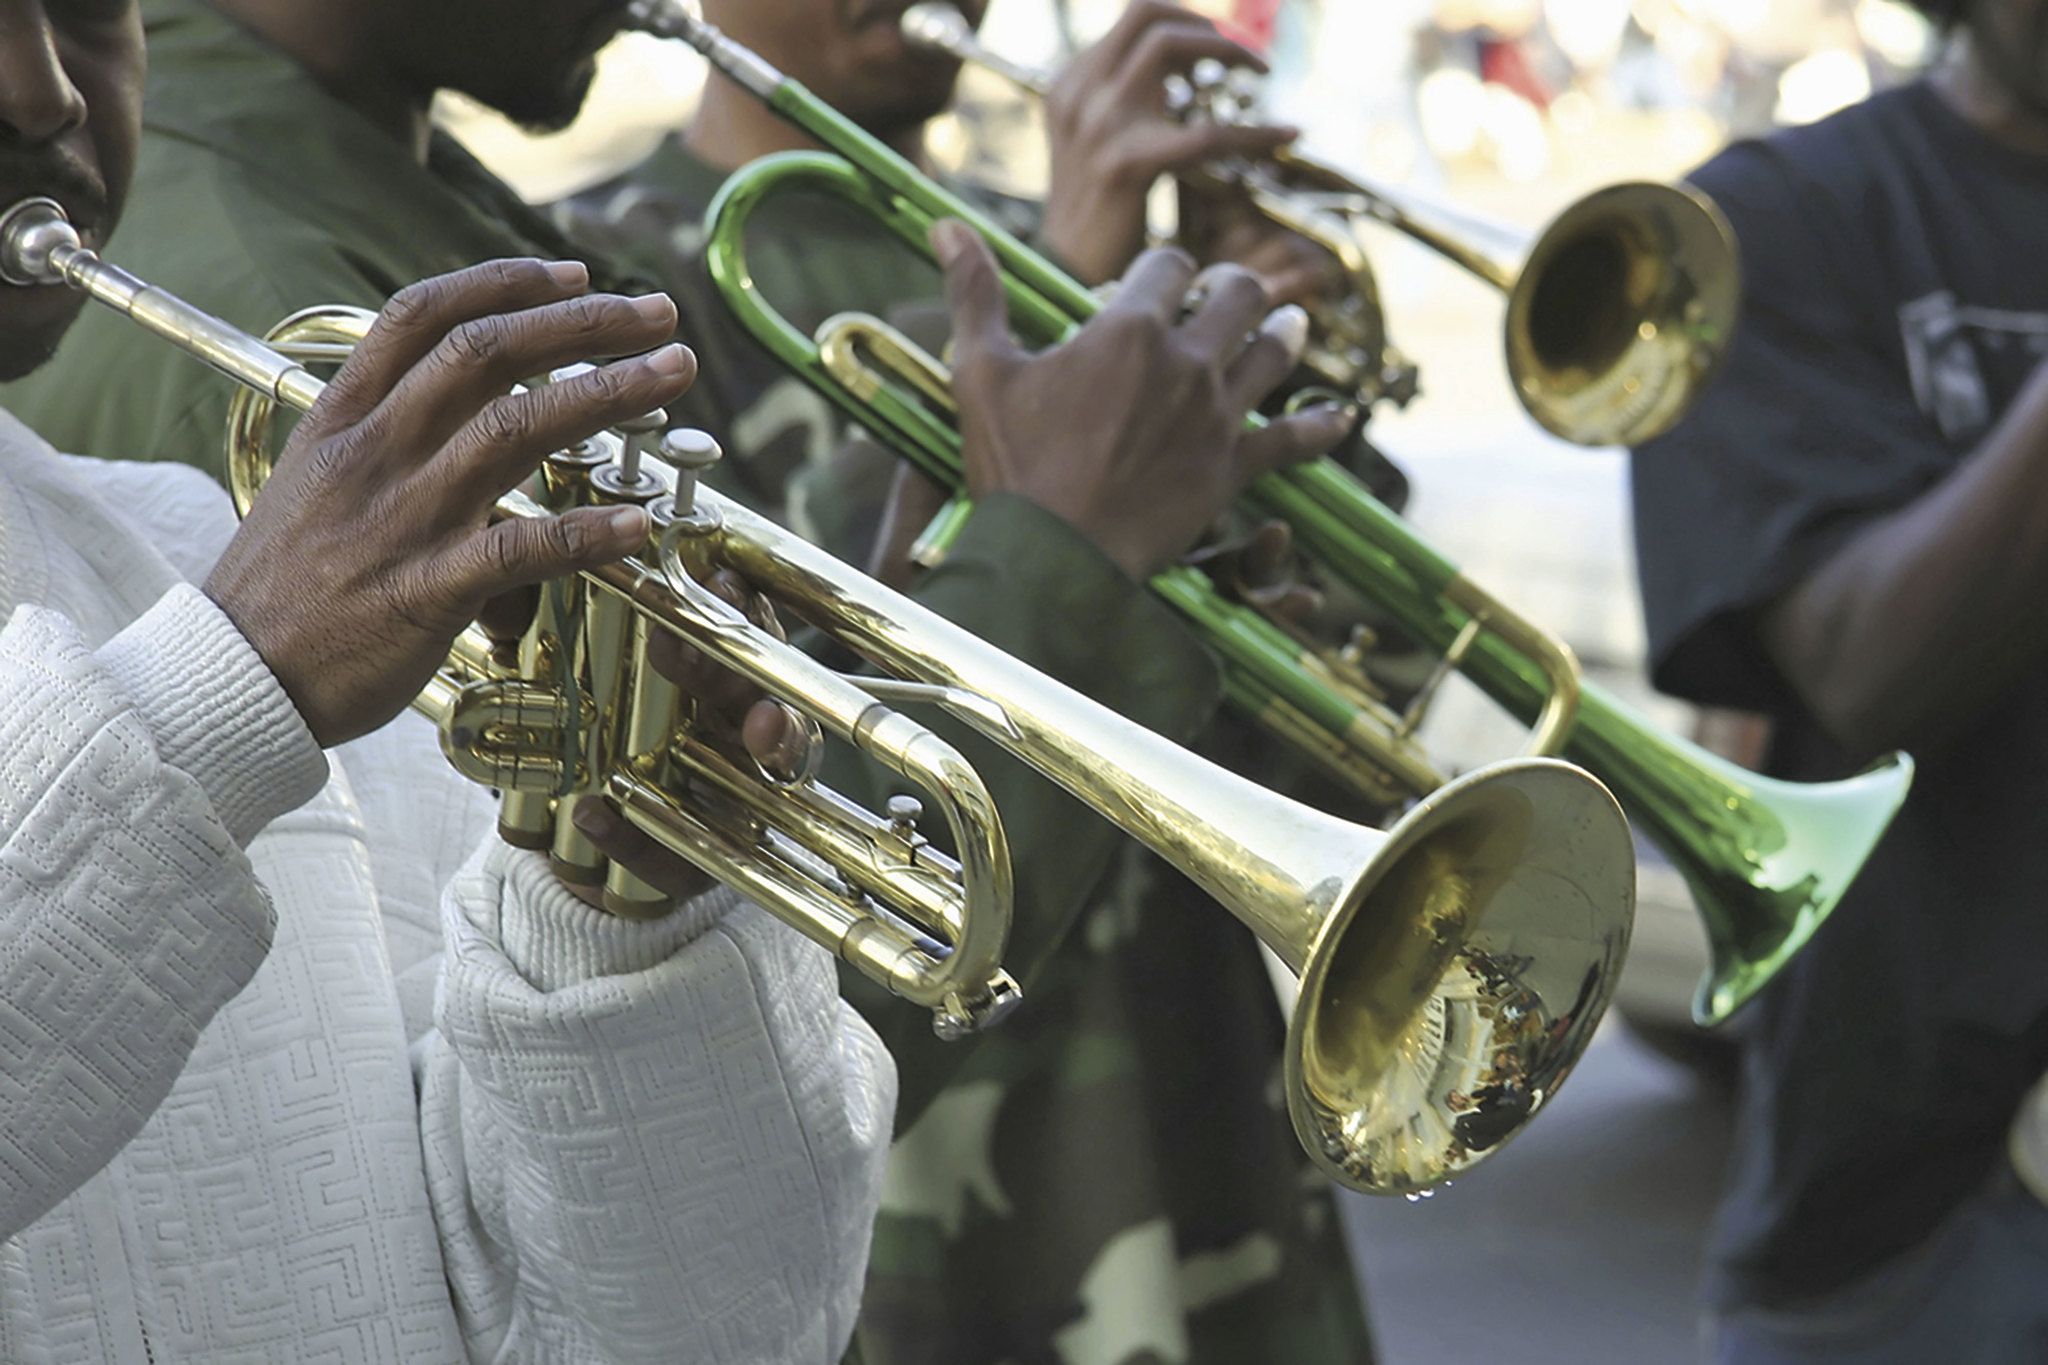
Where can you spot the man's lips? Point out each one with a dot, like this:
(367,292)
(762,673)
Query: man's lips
(873,13)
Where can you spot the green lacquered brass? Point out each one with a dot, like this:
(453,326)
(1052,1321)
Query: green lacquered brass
(1454,967)
(1766,861)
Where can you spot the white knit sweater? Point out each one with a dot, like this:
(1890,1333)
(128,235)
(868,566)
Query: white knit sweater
(298,1104)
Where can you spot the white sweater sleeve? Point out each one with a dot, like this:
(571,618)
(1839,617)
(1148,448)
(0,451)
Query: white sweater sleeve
(130,778)
(647,1141)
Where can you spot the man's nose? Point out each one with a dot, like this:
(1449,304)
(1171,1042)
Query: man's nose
(38,102)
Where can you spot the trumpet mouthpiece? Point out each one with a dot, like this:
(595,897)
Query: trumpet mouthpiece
(32,234)
(936,26)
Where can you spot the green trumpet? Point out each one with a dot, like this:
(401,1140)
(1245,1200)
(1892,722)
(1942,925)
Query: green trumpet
(1766,861)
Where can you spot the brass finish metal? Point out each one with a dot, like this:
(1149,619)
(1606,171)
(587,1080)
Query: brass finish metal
(1767,862)
(1453,968)
(1618,313)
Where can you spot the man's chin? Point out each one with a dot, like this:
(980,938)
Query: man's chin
(32,323)
(532,107)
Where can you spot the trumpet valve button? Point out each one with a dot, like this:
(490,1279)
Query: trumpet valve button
(691,452)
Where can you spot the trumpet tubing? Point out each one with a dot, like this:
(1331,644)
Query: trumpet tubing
(1767,862)
(1453,968)
(581,710)
(1618,312)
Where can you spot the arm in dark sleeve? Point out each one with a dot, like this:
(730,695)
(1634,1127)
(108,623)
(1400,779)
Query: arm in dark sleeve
(1807,441)
(1026,582)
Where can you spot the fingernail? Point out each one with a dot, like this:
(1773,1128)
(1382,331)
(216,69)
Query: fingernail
(629,522)
(949,239)
(1289,327)
(668,360)
(569,274)
(655,307)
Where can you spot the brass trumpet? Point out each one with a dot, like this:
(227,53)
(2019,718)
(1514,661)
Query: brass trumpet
(1766,861)
(1452,968)
(1618,313)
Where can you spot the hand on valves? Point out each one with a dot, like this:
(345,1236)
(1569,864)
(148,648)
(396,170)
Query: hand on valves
(1114,132)
(388,485)
(1133,431)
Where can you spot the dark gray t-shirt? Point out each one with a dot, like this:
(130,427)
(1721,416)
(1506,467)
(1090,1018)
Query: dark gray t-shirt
(1896,301)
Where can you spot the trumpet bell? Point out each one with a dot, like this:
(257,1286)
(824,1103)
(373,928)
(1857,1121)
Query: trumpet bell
(1768,870)
(1460,976)
(1622,313)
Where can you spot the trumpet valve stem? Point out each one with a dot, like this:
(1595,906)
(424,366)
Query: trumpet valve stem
(692,453)
(628,481)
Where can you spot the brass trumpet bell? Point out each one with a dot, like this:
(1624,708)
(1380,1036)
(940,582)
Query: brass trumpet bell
(1622,313)
(1453,986)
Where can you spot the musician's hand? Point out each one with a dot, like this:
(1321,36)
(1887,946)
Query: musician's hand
(914,501)
(1258,567)
(371,547)
(1291,267)
(733,714)
(1134,431)
(1112,135)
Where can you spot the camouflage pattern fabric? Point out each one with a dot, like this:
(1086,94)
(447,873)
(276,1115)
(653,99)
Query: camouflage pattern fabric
(258,193)
(1109,1178)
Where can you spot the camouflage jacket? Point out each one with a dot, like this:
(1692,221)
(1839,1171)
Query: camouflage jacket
(1109,1178)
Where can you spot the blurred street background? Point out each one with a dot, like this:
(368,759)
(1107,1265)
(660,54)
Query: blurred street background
(1580,1244)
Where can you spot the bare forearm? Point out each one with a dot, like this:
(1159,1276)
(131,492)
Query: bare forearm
(1911,629)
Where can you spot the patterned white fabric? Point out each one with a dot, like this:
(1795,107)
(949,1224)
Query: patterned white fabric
(229,1133)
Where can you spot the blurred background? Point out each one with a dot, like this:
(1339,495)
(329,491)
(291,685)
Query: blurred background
(1580,1244)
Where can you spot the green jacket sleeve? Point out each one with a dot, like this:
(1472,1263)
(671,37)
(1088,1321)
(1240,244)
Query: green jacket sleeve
(1026,582)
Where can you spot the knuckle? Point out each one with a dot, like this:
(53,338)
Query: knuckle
(609,384)
(504,551)
(330,460)
(515,272)
(411,307)
(1232,278)
(502,422)
(568,538)
(1135,329)
(476,344)
(589,314)
(1176,256)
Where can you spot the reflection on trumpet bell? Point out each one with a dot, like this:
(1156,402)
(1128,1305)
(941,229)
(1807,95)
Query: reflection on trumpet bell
(1452,968)
(1447,998)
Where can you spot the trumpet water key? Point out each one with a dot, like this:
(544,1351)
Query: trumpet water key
(1766,861)
(1452,968)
